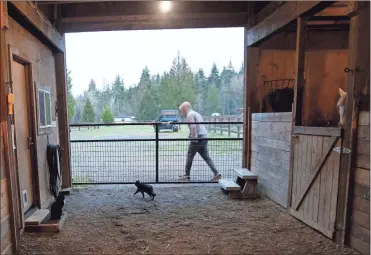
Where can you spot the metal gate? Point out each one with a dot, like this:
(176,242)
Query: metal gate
(121,153)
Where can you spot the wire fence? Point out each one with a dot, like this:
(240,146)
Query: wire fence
(124,153)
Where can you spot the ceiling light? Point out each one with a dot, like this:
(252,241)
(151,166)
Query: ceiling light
(165,6)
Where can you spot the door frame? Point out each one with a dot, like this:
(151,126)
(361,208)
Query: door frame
(16,56)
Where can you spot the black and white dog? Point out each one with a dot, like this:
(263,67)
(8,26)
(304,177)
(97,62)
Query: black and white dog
(144,188)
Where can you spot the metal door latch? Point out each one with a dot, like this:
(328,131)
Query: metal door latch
(341,151)
(30,143)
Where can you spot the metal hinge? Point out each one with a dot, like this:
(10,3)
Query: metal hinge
(341,151)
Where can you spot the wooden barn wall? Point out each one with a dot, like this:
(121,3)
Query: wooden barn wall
(5,217)
(360,219)
(270,154)
(325,60)
(43,74)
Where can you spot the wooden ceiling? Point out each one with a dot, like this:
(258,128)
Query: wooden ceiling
(85,16)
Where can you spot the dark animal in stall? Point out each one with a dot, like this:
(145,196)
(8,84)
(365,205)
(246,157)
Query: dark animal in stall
(144,188)
(57,206)
(281,100)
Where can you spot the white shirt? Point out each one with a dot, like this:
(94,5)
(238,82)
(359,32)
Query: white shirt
(193,116)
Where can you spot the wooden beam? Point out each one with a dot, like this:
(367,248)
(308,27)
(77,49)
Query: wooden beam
(298,92)
(359,60)
(283,16)
(63,125)
(318,131)
(340,8)
(130,22)
(37,20)
(316,171)
(268,10)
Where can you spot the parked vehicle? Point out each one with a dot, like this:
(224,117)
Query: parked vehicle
(167,119)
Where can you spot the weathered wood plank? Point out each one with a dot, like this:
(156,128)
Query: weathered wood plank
(280,136)
(362,191)
(335,187)
(6,242)
(276,193)
(46,28)
(284,155)
(362,176)
(280,18)
(363,161)
(359,245)
(364,118)
(314,225)
(275,144)
(308,166)
(329,167)
(362,205)
(361,218)
(5,227)
(304,140)
(278,162)
(315,187)
(363,133)
(271,126)
(360,232)
(271,173)
(318,167)
(363,147)
(272,117)
(319,131)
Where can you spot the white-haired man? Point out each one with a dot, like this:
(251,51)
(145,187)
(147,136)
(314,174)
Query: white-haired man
(196,131)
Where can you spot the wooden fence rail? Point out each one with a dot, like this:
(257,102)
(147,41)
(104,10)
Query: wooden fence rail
(225,129)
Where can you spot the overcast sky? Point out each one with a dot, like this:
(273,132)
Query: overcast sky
(103,55)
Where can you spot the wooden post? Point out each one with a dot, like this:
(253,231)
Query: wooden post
(229,127)
(214,125)
(298,96)
(221,126)
(238,129)
(359,63)
(63,126)
(5,135)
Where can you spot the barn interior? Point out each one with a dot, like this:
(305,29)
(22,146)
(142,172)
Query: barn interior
(298,54)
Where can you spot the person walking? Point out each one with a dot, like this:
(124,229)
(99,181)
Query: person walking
(200,146)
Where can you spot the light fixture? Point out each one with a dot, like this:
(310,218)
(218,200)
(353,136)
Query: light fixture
(165,6)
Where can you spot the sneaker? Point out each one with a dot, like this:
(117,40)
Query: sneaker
(184,177)
(216,178)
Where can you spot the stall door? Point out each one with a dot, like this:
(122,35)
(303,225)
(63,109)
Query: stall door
(315,177)
(22,135)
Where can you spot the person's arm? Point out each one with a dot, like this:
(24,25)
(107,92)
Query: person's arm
(192,127)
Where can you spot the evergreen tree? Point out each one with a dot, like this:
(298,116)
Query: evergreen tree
(70,99)
(214,78)
(92,86)
(118,93)
(107,115)
(88,114)
(213,101)
(148,109)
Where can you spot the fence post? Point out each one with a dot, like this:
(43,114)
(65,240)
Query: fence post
(215,125)
(229,127)
(221,126)
(157,148)
(238,128)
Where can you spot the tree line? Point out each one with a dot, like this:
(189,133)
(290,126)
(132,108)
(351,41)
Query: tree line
(220,92)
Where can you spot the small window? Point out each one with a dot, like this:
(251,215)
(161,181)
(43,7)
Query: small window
(45,118)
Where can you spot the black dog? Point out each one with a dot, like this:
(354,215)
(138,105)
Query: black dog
(57,206)
(141,187)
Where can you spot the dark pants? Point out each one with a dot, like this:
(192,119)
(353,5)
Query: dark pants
(201,148)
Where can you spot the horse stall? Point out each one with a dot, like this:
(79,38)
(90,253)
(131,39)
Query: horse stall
(297,81)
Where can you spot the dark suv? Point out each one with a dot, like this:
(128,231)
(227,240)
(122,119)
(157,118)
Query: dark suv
(167,117)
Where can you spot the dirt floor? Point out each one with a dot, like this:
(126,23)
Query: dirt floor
(183,219)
